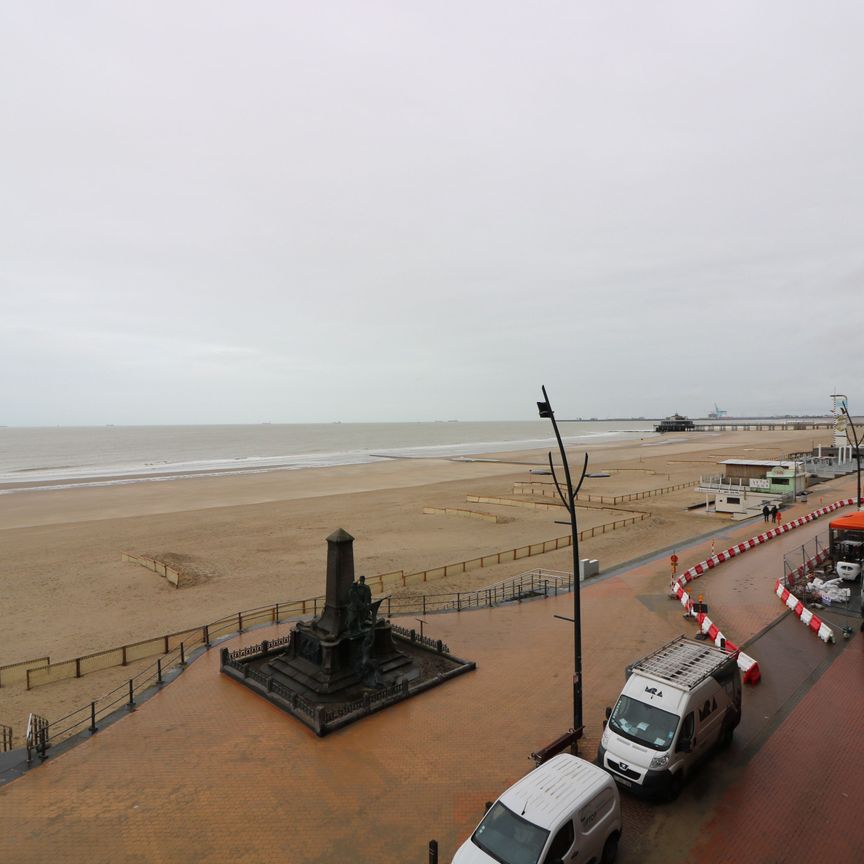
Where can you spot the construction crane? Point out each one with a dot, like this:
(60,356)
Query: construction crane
(717,413)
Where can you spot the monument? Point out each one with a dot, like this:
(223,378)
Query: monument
(346,663)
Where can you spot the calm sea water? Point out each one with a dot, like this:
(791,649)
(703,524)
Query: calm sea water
(42,455)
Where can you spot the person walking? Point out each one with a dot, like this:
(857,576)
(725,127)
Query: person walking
(773,513)
(765,513)
(778,516)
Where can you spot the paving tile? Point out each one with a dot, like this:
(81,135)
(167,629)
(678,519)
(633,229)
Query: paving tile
(205,770)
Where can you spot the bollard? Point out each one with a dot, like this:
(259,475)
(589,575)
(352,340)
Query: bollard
(182,654)
(93,727)
(433,852)
(131,705)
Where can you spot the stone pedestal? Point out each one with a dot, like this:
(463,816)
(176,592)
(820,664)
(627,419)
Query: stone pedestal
(345,664)
(335,652)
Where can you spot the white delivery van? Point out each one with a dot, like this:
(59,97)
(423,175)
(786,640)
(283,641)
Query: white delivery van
(567,810)
(676,706)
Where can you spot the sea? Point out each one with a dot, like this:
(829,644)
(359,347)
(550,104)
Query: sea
(57,457)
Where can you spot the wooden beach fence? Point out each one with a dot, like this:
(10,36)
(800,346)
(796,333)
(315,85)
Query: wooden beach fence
(16,673)
(544,489)
(160,567)
(460,511)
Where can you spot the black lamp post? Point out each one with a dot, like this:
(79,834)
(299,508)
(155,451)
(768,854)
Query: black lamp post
(857,452)
(569,501)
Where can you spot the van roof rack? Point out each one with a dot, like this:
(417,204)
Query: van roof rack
(682,662)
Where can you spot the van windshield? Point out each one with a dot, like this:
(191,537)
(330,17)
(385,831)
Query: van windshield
(644,723)
(509,838)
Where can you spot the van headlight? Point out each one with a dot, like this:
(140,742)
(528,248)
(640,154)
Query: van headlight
(604,739)
(660,761)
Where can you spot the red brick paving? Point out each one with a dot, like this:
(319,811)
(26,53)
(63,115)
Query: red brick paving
(800,798)
(207,771)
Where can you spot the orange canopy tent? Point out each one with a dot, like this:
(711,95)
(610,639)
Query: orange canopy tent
(852,522)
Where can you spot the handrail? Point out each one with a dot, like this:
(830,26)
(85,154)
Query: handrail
(98,708)
(36,737)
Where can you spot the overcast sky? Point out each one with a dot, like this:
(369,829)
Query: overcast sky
(245,211)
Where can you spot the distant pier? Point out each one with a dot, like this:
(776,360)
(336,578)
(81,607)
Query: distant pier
(762,426)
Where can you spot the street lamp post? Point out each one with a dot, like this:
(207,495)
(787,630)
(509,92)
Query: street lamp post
(569,501)
(857,452)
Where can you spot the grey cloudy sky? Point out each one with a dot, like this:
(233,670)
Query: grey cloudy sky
(234,212)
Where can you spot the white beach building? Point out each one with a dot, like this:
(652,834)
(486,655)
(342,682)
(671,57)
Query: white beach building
(746,485)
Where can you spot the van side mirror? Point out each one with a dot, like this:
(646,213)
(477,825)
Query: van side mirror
(487,806)
(685,745)
(608,712)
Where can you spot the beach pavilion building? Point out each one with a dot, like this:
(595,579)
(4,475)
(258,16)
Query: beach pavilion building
(746,485)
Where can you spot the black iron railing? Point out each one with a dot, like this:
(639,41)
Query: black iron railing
(262,647)
(36,737)
(42,734)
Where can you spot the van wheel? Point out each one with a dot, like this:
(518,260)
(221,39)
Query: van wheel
(675,785)
(726,737)
(610,849)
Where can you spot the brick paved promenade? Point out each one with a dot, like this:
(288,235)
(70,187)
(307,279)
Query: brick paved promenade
(205,771)
(800,797)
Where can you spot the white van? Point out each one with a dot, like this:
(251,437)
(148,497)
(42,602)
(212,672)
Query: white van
(677,704)
(567,810)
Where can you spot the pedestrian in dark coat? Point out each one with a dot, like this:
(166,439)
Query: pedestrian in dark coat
(766,511)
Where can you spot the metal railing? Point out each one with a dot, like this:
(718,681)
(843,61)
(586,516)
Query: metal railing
(800,564)
(413,636)
(6,736)
(36,738)
(261,647)
(727,484)
(534,583)
(42,734)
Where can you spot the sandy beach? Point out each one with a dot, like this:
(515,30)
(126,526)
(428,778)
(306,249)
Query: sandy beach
(249,540)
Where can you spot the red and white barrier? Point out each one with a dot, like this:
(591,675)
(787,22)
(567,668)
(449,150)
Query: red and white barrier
(813,622)
(748,666)
(702,567)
